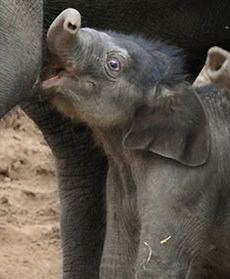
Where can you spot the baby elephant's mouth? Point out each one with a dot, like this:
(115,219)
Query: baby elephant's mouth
(56,78)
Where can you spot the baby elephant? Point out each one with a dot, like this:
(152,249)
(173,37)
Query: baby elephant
(168,184)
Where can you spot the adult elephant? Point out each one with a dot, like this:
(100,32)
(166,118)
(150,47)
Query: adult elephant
(192,24)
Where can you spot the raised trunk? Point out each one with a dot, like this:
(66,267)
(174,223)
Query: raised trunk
(63,30)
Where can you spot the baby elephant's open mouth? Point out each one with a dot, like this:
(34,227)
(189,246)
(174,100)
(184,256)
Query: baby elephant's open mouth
(56,78)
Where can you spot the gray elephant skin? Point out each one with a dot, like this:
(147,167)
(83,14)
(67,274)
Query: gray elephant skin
(82,166)
(20,49)
(163,195)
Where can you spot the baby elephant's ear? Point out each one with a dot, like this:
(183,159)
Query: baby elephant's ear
(173,124)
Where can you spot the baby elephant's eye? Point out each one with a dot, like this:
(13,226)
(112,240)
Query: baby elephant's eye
(114,64)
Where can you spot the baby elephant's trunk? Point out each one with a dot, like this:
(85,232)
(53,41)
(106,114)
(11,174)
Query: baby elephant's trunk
(218,67)
(63,30)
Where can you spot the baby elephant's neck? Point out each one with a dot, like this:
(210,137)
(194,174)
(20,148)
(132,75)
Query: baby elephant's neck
(118,156)
(111,141)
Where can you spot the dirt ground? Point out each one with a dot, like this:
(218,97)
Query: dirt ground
(29,227)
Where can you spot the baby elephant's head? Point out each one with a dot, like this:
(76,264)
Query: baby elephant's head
(101,77)
(114,80)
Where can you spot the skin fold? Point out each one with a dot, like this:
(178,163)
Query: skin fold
(72,143)
(163,143)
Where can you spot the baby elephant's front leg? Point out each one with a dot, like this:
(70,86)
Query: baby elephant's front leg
(122,234)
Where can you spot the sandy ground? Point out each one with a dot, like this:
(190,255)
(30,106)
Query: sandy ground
(29,228)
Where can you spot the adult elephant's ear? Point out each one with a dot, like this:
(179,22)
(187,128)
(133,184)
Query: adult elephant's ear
(172,124)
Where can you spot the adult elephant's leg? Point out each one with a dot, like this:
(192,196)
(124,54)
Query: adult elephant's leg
(81,179)
(20,49)
(82,171)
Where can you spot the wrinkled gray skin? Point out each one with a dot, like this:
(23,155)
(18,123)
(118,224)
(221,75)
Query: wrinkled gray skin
(20,48)
(81,165)
(168,192)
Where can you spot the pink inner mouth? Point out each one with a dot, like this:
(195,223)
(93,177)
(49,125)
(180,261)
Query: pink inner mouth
(55,79)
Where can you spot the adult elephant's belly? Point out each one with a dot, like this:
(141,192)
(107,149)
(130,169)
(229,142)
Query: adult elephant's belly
(20,49)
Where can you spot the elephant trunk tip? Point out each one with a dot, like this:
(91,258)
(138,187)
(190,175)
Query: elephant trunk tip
(68,21)
(72,21)
(218,66)
(70,26)
(216,59)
